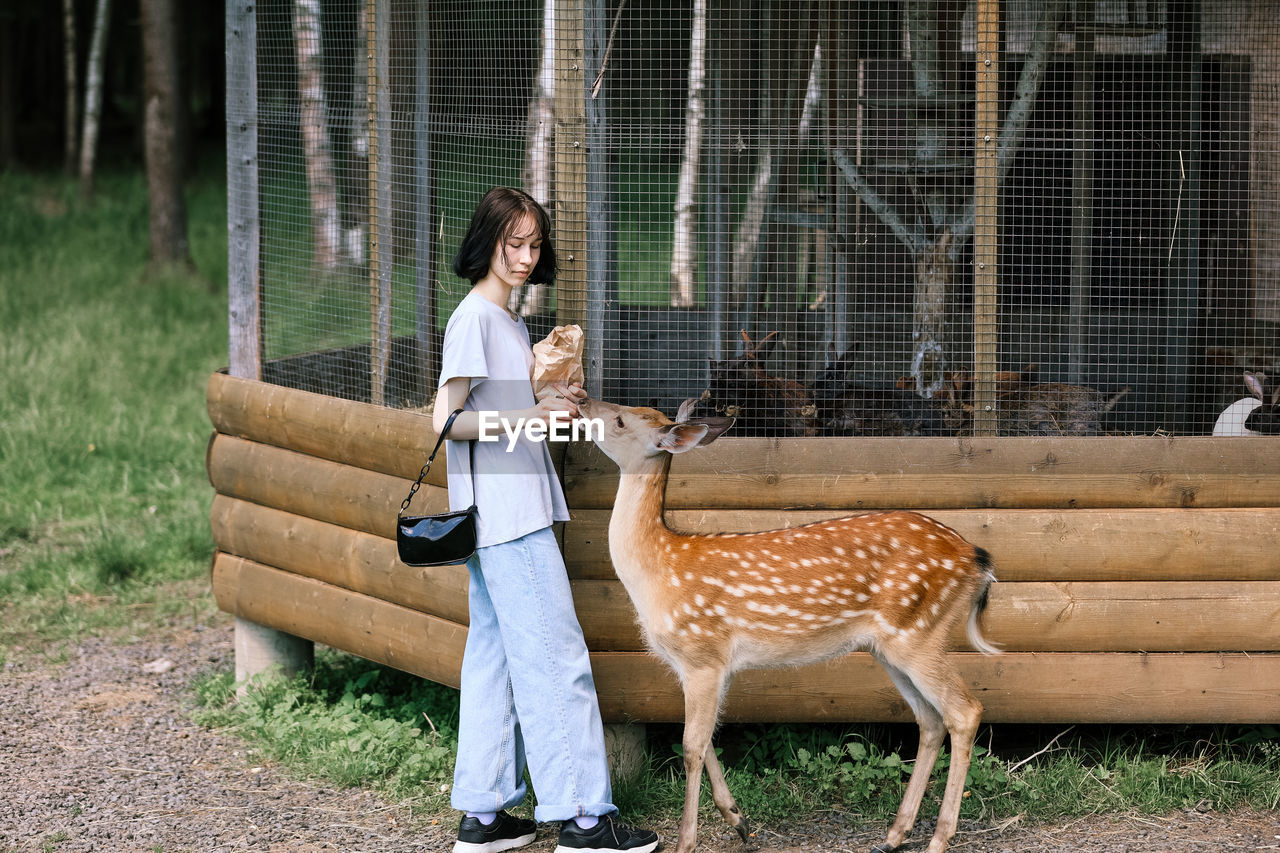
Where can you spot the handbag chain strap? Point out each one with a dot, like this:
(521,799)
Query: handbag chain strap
(413,490)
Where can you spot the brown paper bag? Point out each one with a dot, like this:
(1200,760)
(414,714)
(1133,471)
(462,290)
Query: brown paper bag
(558,358)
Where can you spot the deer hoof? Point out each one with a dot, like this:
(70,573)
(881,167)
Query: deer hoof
(884,847)
(744,830)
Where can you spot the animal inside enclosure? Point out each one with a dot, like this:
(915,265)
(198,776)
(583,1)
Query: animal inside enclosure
(1014,265)
(945,218)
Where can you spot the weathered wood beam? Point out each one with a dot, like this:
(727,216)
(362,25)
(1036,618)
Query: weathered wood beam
(368,564)
(635,686)
(1027,545)
(317,488)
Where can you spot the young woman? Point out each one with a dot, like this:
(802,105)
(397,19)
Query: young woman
(527,690)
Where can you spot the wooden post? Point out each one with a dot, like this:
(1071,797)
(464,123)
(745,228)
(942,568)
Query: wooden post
(1084,154)
(425,214)
(1264,146)
(1183,250)
(378,45)
(601,233)
(256,647)
(717,184)
(986,306)
(571,164)
(244,299)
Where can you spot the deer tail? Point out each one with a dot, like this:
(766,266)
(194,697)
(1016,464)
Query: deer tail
(974,627)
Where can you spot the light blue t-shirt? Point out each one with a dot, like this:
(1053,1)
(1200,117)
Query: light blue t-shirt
(517,489)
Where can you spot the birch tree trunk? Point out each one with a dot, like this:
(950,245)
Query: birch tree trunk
(73,89)
(313,117)
(684,244)
(538,171)
(93,95)
(358,173)
(168,210)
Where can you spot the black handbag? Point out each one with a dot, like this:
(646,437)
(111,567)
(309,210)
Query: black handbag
(443,539)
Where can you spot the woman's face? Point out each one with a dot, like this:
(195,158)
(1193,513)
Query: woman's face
(514,259)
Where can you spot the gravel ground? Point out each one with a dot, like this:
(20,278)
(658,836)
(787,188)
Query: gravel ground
(97,753)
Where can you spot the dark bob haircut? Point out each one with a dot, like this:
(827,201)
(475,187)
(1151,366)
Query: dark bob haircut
(496,216)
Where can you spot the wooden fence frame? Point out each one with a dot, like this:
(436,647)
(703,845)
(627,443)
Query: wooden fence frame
(1140,581)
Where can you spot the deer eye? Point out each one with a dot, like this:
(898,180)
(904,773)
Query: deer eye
(618,420)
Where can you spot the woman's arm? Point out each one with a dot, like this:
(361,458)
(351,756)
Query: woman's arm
(453,394)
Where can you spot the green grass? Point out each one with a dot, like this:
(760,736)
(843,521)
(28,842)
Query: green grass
(103,497)
(356,723)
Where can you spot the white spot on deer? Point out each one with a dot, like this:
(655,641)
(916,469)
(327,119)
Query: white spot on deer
(699,600)
(675,581)
(919,623)
(905,601)
(695,627)
(913,577)
(838,551)
(885,626)
(861,597)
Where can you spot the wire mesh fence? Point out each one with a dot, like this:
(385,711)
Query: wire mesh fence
(927,217)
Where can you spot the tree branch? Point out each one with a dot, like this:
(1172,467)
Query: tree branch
(875,203)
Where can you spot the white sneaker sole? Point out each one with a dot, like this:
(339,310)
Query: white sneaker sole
(494,846)
(648,848)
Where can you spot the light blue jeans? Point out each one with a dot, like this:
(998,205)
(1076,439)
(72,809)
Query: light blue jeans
(527,690)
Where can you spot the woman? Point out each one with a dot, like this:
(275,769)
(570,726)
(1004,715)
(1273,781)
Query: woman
(527,689)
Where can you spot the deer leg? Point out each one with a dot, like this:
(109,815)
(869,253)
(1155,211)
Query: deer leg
(932,733)
(945,690)
(724,799)
(702,691)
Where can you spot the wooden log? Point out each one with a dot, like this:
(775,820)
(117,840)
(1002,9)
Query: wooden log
(378,630)
(362,435)
(1013,688)
(729,489)
(980,456)
(390,441)
(1028,545)
(355,561)
(634,686)
(369,565)
(317,488)
(1084,617)
(852,473)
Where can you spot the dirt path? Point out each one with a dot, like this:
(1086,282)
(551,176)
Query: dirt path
(97,753)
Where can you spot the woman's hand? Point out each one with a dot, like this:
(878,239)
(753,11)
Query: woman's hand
(564,399)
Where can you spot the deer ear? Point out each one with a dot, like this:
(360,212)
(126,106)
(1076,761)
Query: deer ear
(1254,382)
(716,427)
(678,438)
(686,409)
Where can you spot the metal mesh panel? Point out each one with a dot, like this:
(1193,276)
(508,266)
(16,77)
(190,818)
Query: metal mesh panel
(826,218)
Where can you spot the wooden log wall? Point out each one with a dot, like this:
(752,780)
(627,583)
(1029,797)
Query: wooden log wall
(1140,578)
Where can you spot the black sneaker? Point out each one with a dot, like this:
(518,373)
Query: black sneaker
(505,833)
(607,836)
